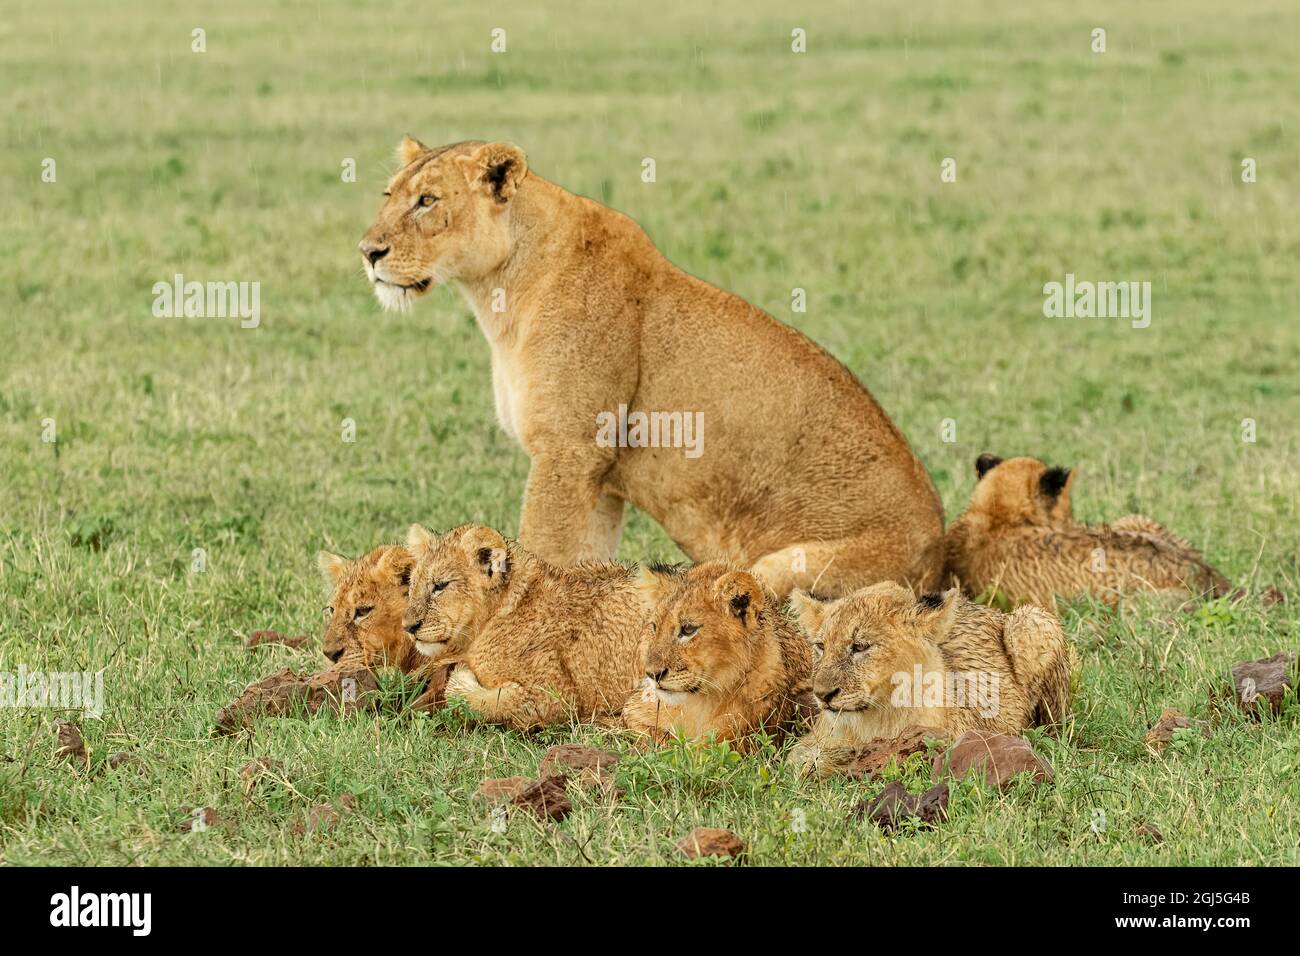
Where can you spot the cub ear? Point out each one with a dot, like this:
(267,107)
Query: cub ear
(487,549)
(654,581)
(418,538)
(985,462)
(333,566)
(809,610)
(409,150)
(741,593)
(398,562)
(936,610)
(499,168)
(1054,481)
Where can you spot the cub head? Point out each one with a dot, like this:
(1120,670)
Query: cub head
(367,600)
(446,215)
(458,581)
(1021,491)
(706,628)
(861,641)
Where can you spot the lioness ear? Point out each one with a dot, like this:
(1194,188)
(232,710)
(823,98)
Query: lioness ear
(1054,481)
(499,168)
(653,581)
(984,463)
(487,548)
(409,150)
(935,610)
(417,538)
(741,593)
(809,611)
(332,566)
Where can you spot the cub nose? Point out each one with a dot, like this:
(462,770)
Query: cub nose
(657,676)
(828,695)
(333,653)
(373,250)
(412,628)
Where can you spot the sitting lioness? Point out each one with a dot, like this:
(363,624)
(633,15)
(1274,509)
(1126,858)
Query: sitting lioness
(612,367)
(1019,536)
(530,644)
(887,660)
(722,659)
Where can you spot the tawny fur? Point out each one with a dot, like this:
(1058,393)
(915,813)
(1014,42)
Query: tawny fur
(1019,536)
(531,644)
(996,672)
(802,476)
(366,604)
(722,659)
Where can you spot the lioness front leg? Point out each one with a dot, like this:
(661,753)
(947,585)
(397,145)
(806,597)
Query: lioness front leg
(560,508)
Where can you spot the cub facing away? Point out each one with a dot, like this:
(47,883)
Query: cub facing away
(1019,535)
(530,644)
(722,659)
(887,660)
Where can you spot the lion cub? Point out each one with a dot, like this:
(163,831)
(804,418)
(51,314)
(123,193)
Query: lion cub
(531,644)
(367,602)
(722,659)
(887,660)
(1019,536)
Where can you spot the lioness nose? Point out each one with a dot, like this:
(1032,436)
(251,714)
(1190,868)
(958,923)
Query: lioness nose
(657,676)
(373,251)
(828,695)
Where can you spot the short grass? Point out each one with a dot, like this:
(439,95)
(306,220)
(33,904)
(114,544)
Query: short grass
(774,171)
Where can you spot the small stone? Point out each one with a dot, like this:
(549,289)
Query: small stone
(875,755)
(589,767)
(895,804)
(711,841)
(996,757)
(495,791)
(1158,737)
(69,744)
(546,798)
(1149,832)
(1260,685)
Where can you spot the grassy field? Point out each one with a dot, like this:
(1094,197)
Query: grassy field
(775,170)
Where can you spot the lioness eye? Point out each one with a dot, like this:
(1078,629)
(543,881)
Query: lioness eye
(361,612)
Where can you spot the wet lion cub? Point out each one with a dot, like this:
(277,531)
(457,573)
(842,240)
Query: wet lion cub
(887,660)
(1019,536)
(531,644)
(722,659)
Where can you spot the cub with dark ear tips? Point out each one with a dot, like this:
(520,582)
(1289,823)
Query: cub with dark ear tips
(1018,536)
(722,659)
(886,660)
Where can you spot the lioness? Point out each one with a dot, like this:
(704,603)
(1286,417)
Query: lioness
(803,476)
(1019,536)
(722,658)
(887,660)
(531,644)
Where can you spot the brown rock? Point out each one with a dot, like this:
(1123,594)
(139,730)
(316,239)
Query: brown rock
(258,638)
(1149,832)
(711,841)
(1260,685)
(995,757)
(198,819)
(895,804)
(69,744)
(589,767)
(875,755)
(495,791)
(547,798)
(287,692)
(1158,737)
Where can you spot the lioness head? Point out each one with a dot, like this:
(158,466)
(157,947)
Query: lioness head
(446,215)
(456,583)
(705,625)
(862,641)
(367,600)
(1021,491)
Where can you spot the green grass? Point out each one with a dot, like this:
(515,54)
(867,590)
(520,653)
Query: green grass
(775,170)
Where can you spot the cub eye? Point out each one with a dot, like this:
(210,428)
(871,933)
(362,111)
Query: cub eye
(687,631)
(818,647)
(426,200)
(860,647)
(439,586)
(361,612)
(329,612)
